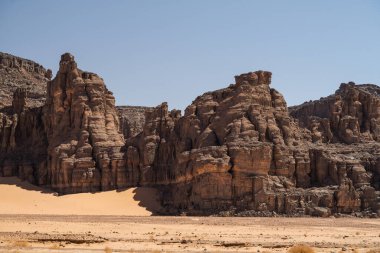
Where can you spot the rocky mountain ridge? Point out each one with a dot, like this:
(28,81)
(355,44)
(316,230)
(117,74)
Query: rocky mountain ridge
(239,148)
(16,72)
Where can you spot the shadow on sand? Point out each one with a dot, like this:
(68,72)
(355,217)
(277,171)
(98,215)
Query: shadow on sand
(148,198)
(24,185)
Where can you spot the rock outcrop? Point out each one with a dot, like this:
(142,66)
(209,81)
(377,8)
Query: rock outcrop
(70,144)
(132,119)
(16,72)
(237,149)
(351,115)
(22,136)
(82,127)
(23,140)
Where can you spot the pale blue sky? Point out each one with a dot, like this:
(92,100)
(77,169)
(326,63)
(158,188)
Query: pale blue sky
(150,51)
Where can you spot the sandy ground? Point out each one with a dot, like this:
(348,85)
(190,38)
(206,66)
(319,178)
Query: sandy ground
(18,197)
(34,220)
(43,233)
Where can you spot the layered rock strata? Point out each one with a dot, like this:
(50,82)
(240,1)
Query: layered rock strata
(22,136)
(351,115)
(237,148)
(75,135)
(23,140)
(16,72)
(132,119)
(82,127)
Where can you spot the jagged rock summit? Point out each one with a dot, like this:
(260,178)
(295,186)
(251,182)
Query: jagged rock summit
(351,115)
(236,151)
(82,129)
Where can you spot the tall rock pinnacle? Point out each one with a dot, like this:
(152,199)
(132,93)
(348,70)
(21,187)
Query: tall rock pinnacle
(83,131)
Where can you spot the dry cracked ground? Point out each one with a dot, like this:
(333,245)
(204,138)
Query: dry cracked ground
(52,233)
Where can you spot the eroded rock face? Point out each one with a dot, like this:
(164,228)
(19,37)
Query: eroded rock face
(72,143)
(85,146)
(23,141)
(237,147)
(22,137)
(240,142)
(16,72)
(132,119)
(351,115)
(345,152)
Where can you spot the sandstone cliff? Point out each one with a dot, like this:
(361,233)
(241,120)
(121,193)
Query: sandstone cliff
(82,126)
(351,115)
(16,72)
(237,149)
(23,145)
(22,139)
(132,119)
(70,144)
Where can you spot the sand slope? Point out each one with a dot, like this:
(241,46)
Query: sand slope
(17,197)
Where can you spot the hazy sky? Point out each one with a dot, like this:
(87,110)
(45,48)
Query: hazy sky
(153,51)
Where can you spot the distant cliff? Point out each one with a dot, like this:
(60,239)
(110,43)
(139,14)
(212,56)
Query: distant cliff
(238,149)
(16,72)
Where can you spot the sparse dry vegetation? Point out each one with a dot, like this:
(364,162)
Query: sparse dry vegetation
(374,251)
(301,249)
(54,246)
(20,244)
(186,235)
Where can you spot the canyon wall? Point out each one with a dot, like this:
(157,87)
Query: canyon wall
(16,72)
(235,150)
(351,115)
(22,136)
(82,128)
(239,147)
(132,119)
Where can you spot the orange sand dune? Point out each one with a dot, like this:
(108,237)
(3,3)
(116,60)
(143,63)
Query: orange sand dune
(17,197)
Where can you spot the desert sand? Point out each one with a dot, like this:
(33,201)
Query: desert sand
(35,220)
(19,197)
(45,233)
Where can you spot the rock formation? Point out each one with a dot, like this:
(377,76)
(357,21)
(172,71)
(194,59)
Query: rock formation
(23,140)
(16,72)
(351,115)
(72,143)
(237,149)
(82,127)
(132,119)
